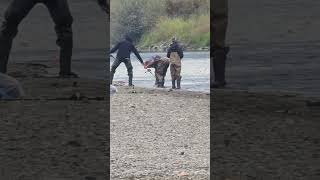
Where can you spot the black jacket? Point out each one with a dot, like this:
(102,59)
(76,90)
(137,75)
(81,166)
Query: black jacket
(124,50)
(175,47)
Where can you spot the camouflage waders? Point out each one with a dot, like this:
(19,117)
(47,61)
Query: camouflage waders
(60,13)
(175,69)
(219,10)
(161,71)
(161,66)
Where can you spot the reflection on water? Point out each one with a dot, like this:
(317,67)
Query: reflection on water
(195,72)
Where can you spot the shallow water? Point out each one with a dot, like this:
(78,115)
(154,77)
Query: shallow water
(195,72)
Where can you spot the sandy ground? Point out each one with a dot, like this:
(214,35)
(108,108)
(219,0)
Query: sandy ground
(264,135)
(159,134)
(274,21)
(274,46)
(58,131)
(262,127)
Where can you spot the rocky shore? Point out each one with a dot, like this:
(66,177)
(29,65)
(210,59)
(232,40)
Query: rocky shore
(59,130)
(159,134)
(264,135)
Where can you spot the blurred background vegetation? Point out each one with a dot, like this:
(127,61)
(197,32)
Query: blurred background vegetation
(152,23)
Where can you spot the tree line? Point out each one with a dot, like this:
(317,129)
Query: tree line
(140,18)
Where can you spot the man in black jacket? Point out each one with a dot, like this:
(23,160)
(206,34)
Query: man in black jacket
(60,13)
(123,55)
(175,53)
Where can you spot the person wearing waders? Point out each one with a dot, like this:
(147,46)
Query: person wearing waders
(60,13)
(161,66)
(175,53)
(10,88)
(124,49)
(219,49)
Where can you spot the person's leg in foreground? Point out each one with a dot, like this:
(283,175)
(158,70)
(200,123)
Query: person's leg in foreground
(219,28)
(114,67)
(61,15)
(15,13)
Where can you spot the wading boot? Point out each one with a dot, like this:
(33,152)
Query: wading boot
(130,80)
(65,65)
(173,84)
(4,55)
(219,65)
(111,77)
(68,75)
(217,85)
(178,83)
(3,64)
(161,85)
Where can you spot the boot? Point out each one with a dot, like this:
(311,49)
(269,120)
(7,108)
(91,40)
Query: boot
(156,84)
(219,65)
(130,80)
(3,63)
(173,84)
(217,85)
(178,83)
(111,77)
(219,74)
(161,84)
(65,42)
(69,75)
(5,48)
(65,64)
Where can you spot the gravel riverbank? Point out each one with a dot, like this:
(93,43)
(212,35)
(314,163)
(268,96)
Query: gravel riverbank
(265,135)
(157,134)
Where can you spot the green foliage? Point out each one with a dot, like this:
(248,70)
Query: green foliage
(187,8)
(151,22)
(127,20)
(194,31)
(153,10)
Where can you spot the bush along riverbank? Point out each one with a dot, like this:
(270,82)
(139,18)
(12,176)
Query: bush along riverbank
(193,34)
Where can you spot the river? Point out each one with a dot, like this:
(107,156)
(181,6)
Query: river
(195,72)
